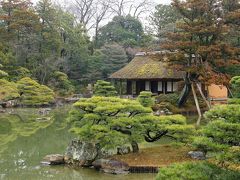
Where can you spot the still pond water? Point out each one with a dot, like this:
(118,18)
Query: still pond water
(25,140)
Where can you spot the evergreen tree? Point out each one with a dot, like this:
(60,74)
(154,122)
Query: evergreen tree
(127,31)
(113,122)
(104,88)
(198,45)
(163,20)
(114,59)
(61,84)
(145,98)
(34,94)
(221,134)
(8,90)
(18,20)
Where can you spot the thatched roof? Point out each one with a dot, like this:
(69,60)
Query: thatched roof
(147,67)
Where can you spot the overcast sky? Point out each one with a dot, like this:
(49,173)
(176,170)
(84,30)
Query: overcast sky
(162,1)
(156,1)
(144,18)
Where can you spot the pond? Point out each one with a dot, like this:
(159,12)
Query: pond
(26,137)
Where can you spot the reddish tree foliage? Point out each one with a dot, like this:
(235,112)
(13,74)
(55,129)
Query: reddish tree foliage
(199,44)
(18,19)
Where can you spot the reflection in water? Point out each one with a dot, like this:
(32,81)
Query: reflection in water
(23,144)
(20,123)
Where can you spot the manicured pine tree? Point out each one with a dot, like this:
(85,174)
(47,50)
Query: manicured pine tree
(221,134)
(113,122)
(34,94)
(104,88)
(145,98)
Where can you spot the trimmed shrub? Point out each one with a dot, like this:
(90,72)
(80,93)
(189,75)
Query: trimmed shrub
(235,84)
(234,101)
(34,94)
(221,134)
(104,88)
(61,84)
(145,99)
(8,90)
(171,98)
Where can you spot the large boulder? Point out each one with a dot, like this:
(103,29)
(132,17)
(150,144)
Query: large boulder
(111,166)
(83,153)
(53,159)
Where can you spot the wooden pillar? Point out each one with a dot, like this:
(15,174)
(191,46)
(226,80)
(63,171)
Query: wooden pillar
(120,92)
(164,86)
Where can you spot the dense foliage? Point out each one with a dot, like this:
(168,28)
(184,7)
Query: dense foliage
(61,83)
(200,42)
(221,134)
(128,31)
(8,90)
(196,171)
(145,98)
(45,38)
(235,83)
(32,93)
(104,88)
(114,58)
(113,122)
(171,98)
(163,20)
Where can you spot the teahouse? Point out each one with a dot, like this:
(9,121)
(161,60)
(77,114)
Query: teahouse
(148,72)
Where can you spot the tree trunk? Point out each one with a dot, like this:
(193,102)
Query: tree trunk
(135,147)
(197,105)
(185,92)
(204,98)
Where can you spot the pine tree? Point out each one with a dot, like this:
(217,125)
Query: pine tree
(113,122)
(104,88)
(198,45)
(145,98)
(18,20)
(114,59)
(221,134)
(33,93)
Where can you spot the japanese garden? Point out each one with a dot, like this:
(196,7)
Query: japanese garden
(120,89)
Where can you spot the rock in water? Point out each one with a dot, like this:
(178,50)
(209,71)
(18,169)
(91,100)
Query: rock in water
(82,153)
(111,166)
(199,155)
(53,159)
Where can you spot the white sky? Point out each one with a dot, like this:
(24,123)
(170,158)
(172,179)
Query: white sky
(156,1)
(143,18)
(162,1)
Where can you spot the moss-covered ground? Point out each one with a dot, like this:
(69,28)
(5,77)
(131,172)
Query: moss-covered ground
(156,156)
